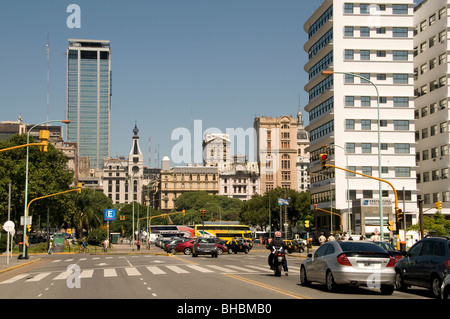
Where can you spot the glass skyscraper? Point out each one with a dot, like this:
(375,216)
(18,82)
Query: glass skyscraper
(89,98)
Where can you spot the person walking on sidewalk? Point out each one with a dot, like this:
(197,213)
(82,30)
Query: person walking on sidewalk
(50,246)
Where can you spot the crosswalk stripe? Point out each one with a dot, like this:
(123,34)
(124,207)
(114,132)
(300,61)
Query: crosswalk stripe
(39,276)
(200,269)
(221,268)
(155,270)
(64,275)
(87,273)
(240,268)
(178,270)
(110,272)
(14,279)
(260,268)
(132,272)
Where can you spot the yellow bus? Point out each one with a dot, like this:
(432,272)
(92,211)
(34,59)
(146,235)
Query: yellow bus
(223,231)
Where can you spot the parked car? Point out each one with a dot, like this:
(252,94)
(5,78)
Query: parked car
(204,246)
(171,246)
(425,264)
(235,246)
(293,246)
(445,288)
(185,247)
(390,249)
(349,263)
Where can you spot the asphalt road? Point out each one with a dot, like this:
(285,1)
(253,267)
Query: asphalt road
(158,277)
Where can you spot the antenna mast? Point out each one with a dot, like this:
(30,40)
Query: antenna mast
(47,45)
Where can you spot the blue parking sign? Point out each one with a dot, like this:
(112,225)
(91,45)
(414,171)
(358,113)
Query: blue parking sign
(110,214)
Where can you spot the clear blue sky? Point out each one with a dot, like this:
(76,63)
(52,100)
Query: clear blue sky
(173,61)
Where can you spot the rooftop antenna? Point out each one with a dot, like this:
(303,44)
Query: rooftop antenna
(149,153)
(47,45)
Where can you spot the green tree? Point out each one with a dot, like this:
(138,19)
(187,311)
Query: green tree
(437,225)
(47,174)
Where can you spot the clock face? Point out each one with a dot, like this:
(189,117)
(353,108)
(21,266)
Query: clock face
(135,169)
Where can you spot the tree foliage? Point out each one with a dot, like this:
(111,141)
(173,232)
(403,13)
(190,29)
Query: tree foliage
(436,225)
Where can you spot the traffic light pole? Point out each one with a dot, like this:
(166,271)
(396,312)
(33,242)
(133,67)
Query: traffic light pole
(378,179)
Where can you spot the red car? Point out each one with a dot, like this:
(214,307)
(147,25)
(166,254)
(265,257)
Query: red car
(185,247)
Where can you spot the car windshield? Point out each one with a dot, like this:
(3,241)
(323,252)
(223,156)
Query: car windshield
(362,247)
(385,246)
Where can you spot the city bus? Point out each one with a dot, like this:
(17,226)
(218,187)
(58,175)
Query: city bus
(223,231)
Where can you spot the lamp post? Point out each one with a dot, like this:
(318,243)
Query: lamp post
(380,204)
(24,254)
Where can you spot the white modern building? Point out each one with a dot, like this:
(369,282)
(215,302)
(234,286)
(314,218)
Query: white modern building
(375,42)
(431,71)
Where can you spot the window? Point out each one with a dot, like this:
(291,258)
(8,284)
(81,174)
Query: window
(352,168)
(348,7)
(432,19)
(432,41)
(381,77)
(433,130)
(381,54)
(367,170)
(383,123)
(350,124)
(349,101)
(366,125)
(364,54)
(432,63)
(442,12)
(424,133)
(364,32)
(443,127)
(348,31)
(349,54)
(364,76)
(401,101)
(400,32)
(384,146)
(400,55)
(381,30)
(401,125)
(350,147)
(367,193)
(401,148)
(349,78)
(400,78)
(366,147)
(442,58)
(363,8)
(425,155)
(365,100)
(402,172)
(400,9)
(442,35)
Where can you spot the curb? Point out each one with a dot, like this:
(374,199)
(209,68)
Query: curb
(21,265)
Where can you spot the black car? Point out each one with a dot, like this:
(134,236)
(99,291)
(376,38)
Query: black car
(171,246)
(397,255)
(426,264)
(235,246)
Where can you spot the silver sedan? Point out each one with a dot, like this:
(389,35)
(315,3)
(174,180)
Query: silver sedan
(355,263)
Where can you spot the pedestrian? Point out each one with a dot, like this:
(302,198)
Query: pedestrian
(106,243)
(322,239)
(138,244)
(331,238)
(50,246)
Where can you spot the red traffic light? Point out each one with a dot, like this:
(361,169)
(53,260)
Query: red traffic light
(323,157)
(323,160)
(315,206)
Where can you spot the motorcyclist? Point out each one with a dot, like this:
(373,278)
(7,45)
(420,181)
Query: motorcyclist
(277,242)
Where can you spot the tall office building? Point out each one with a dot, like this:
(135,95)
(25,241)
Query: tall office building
(375,42)
(89,98)
(431,45)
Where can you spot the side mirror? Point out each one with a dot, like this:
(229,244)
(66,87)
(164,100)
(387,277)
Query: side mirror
(404,253)
(309,255)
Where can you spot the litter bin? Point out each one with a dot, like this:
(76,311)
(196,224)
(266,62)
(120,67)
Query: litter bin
(403,246)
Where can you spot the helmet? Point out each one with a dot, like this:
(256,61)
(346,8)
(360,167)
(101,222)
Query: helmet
(278,234)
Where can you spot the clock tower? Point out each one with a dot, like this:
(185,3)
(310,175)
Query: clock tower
(136,168)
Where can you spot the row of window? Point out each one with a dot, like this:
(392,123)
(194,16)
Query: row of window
(432,153)
(321,88)
(367,55)
(432,130)
(399,125)
(431,42)
(430,21)
(322,130)
(364,8)
(321,65)
(397,101)
(433,108)
(444,197)
(327,15)
(321,43)
(435,175)
(397,78)
(365,32)
(433,85)
(366,148)
(430,65)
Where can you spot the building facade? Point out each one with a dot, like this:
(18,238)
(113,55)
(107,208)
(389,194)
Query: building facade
(369,47)
(276,149)
(431,88)
(302,155)
(89,98)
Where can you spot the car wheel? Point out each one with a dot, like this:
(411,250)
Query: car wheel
(246,250)
(230,250)
(187,251)
(436,286)
(387,289)
(173,251)
(399,283)
(219,251)
(303,279)
(331,285)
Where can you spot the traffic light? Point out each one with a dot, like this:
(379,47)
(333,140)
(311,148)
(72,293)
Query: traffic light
(438,205)
(202,213)
(306,223)
(323,160)
(184,212)
(315,206)
(399,216)
(44,135)
(79,188)
(391,225)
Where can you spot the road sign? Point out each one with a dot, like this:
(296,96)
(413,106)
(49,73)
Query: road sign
(110,214)
(8,226)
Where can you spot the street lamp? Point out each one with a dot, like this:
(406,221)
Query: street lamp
(24,254)
(380,204)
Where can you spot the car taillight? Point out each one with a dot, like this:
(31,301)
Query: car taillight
(343,260)
(447,263)
(391,262)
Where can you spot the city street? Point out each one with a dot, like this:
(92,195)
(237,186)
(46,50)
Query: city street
(158,276)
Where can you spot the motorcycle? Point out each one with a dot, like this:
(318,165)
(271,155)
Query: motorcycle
(278,258)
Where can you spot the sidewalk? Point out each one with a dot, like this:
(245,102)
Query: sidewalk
(14,262)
